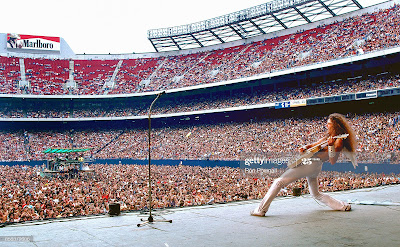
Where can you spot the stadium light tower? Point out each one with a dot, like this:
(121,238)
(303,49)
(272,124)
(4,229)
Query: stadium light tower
(150,219)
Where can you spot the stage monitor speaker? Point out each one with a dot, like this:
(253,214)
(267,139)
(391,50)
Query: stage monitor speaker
(115,209)
(296,192)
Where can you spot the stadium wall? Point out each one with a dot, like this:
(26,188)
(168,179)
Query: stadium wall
(338,167)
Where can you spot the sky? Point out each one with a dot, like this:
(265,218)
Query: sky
(112,26)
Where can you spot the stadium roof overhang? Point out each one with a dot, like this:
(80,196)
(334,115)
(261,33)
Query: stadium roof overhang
(258,20)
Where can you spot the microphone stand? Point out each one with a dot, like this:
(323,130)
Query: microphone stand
(151,219)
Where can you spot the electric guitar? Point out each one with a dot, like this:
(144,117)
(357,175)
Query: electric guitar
(311,151)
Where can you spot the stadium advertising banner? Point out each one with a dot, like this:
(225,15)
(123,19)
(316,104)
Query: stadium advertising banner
(285,104)
(367,95)
(298,102)
(32,42)
(291,103)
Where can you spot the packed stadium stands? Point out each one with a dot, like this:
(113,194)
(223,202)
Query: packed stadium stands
(9,74)
(46,76)
(379,30)
(378,140)
(90,76)
(26,195)
(203,103)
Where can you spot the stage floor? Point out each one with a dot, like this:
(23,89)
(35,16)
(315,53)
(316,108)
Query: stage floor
(291,221)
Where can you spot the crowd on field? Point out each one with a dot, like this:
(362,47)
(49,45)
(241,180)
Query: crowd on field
(26,195)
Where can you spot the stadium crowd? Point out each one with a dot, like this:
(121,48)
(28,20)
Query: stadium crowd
(195,104)
(354,35)
(26,195)
(378,136)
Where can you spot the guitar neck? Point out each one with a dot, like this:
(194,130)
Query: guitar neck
(310,152)
(322,145)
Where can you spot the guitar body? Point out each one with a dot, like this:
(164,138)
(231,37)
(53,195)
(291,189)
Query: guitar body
(301,158)
(310,152)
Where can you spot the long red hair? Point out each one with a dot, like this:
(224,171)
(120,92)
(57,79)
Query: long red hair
(342,126)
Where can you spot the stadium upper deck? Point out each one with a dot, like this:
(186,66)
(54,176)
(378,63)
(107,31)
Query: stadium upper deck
(251,22)
(366,31)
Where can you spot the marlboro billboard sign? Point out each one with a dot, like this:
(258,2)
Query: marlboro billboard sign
(32,42)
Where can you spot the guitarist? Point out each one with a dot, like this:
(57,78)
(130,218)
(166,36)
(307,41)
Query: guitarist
(329,152)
